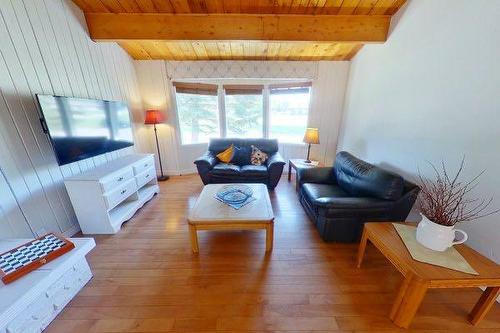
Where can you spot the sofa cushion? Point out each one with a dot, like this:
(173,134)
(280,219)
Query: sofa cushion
(315,191)
(241,155)
(254,170)
(362,179)
(226,169)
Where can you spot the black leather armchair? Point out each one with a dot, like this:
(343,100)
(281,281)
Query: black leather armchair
(211,170)
(340,199)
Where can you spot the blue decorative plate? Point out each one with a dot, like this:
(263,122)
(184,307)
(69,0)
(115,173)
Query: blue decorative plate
(234,194)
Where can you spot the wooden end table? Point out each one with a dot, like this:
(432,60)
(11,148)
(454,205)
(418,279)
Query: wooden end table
(297,163)
(211,214)
(418,276)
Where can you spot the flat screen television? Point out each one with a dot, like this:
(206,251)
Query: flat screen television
(80,128)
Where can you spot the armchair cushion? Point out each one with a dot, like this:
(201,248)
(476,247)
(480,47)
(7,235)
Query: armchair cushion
(315,192)
(360,178)
(360,203)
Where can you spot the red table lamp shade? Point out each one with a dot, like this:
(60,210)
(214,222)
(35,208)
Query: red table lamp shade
(154,117)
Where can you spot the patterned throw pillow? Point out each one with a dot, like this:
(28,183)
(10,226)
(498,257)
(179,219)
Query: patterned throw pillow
(226,155)
(258,157)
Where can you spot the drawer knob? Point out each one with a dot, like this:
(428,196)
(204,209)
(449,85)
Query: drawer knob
(147,176)
(123,191)
(145,165)
(120,179)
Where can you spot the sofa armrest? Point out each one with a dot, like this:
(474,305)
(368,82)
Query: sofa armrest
(321,175)
(205,164)
(275,164)
(275,160)
(208,160)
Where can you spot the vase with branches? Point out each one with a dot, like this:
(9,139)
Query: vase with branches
(445,201)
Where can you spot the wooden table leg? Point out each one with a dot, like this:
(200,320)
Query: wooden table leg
(269,236)
(362,247)
(486,301)
(289,171)
(414,293)
(399,298)
(194,238)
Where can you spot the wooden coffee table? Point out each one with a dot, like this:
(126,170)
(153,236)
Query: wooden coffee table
(211,214)
(418,276)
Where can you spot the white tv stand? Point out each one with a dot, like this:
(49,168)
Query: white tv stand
(107,196)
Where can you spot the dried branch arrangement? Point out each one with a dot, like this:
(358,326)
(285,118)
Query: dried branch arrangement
(447,200)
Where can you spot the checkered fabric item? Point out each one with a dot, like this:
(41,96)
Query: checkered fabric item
(28,253)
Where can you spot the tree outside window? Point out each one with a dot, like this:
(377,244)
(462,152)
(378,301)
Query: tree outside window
(244,116)
(198,117)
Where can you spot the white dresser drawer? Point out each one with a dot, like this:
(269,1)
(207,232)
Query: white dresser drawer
(114,198)
(143,165)
(145,177)
(114,181)
(33,317)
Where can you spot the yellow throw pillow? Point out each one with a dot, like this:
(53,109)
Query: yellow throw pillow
(226,155)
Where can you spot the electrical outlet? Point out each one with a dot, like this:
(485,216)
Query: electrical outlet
(41,232)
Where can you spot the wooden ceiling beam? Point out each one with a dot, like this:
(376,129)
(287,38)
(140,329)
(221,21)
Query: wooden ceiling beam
(268,27)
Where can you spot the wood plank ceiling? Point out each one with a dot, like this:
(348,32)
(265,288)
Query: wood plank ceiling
(171,47)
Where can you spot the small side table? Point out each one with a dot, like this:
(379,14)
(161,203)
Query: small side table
(298,163)
(418,277)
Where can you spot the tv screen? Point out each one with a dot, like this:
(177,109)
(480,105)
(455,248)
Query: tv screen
(80,128)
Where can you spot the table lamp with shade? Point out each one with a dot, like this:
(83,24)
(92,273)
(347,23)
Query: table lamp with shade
(154,117)
(311,137)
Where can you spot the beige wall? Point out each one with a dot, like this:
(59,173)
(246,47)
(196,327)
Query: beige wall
(329,83)
(45,48)
(432,93)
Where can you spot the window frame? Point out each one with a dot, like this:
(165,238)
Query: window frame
(242,90)
(267,85)
(288,85)
(178,133)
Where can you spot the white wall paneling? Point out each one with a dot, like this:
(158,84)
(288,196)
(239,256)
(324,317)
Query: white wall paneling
(45,48)
(426,95)
(155,83)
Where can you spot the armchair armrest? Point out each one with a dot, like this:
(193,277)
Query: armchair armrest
(208,160)
(321,175)
(204,164)
(275,164)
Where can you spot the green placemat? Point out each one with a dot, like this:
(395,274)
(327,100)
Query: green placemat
(450,258)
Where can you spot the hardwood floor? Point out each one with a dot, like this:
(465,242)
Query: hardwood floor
(146,279)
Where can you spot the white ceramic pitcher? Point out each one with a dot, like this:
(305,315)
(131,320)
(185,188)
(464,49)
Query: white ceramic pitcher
(437,237)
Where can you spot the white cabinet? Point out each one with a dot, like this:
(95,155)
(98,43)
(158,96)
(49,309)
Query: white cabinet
(107,196)
(32,302)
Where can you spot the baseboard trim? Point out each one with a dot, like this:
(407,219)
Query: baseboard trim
(72,231)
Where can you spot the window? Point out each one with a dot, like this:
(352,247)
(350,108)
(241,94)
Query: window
(278,111)
(197,112)
(244,111)
(288,110)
